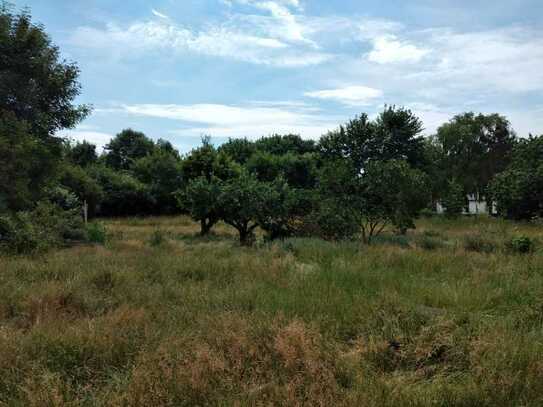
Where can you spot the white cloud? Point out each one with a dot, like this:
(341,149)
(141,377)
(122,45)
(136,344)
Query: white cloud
(277,37)
(350,95)
(389,49)
(159,14)
(509,59)
(252,121)
(369,29)
(100,139)
(284,24)
(142,38)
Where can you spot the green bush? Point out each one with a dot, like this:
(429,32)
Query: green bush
(427,242)
(427,213)
(454,199)
(96,233)
(17,234)
(330,220)
(478,243)
(46,226)
(521,245)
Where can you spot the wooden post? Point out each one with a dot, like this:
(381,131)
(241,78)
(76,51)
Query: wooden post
(85,211)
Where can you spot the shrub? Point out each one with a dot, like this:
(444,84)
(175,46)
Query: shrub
(477,243)
(454,199)
(123,195)
(63,198)
(521,245)
(17,234)
(46,226)
(281,208)
(427,213)
(427,242)
(96,233)
(329,221)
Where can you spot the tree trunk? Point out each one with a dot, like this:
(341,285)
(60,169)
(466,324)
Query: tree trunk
(205,226)
(246,236)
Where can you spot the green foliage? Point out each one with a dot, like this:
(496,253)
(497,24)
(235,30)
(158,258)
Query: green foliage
(335,214)
(434,167)
(46,226)
(127,147)
(475,148)
(299,171)
(518,191)
(281,209)
(18,234)
(285,144)
(391,193)
(36,85)
(427,213)
(37,89)
(241,201)
(454,199)
(238,149)
(82,154)
(86,188)
(330,220)
(394,135)
(521,245)
(123,195)
(161,171)
(63,198)
(27,163)
(96,233)
(200,199)
(206,161)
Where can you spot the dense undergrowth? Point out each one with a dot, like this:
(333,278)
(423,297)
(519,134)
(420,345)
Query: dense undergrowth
(449,315)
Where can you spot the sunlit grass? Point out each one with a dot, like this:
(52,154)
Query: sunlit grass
(185,320)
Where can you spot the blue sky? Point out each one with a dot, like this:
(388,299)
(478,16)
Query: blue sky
(180,69)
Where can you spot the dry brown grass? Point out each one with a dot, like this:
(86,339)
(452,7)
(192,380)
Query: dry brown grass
(202,321)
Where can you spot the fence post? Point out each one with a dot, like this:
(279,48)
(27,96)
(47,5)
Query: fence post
(85,211)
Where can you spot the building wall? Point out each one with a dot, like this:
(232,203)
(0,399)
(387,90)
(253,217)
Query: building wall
(475,207)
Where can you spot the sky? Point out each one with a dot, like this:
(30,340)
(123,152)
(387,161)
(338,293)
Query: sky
(182,69)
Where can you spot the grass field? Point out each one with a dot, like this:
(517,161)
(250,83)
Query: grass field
(446,316)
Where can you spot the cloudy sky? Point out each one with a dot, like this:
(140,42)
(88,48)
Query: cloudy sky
(180,69)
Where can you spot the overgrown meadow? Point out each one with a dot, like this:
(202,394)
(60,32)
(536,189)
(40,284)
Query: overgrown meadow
(450,315)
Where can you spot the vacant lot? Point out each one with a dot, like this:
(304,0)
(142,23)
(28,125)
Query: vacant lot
(445,316)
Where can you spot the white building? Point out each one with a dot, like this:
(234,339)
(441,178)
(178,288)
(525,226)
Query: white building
(475,206)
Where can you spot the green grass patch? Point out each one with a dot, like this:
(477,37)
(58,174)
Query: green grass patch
(160,316)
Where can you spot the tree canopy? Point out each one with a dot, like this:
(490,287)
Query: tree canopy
(394,135)
(37,93)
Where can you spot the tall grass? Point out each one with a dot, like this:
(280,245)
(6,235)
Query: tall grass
(300,322)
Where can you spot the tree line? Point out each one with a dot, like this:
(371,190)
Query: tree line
(360,178)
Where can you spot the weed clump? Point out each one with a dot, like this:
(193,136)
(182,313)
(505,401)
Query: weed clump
(521,245)
(427,242)
(478,243)
(96,233)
